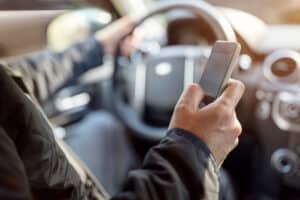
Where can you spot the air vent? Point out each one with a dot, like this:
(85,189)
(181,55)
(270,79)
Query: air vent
(283,66)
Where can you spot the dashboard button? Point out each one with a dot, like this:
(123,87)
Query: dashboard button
(285,161)
(245,62)
(286,111)
(292,111)
(263,110)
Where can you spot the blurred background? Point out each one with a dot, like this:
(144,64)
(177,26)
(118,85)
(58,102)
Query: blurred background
(271,11)
(266,164)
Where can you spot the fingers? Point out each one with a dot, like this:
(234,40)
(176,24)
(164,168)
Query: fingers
(237,127)
(112,34)
(122,27)
(125,23)
(132,42)
(118,29)
(191,97)
(232,93)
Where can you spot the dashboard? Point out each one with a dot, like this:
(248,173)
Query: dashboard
(270,67)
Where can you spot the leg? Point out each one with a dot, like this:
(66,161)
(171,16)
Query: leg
(101,142)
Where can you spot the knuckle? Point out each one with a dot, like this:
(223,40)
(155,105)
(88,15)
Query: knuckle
(182,109)
(223,106)
(224,112)
(237,130)
(221,112)
(194,87)
(227,115)
(238,85)
(236,142)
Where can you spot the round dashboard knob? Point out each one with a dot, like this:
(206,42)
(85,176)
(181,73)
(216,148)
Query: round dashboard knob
(285,161)
(286,111)
(282,66)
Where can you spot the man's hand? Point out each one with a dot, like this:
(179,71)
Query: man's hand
(111,35)
(215,124)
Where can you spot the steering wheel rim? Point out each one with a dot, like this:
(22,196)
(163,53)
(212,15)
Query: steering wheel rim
(218,22)
(219,25)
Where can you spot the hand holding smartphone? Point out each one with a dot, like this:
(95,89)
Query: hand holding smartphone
(219,68)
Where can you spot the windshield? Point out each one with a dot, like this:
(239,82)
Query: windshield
(270,11)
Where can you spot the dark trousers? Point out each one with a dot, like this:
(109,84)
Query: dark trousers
(102,144)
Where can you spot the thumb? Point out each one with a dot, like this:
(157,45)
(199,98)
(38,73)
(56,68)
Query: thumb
(191,97)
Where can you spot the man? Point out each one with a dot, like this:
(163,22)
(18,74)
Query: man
(183,166)
(44,72)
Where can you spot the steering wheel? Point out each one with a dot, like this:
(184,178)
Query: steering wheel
(155,76)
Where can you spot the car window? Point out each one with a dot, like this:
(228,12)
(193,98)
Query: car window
(270,11)
(37,4)
(52,4)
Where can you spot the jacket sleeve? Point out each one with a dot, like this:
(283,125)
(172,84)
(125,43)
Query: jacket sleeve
(33,149)
(46,71)
(180,167)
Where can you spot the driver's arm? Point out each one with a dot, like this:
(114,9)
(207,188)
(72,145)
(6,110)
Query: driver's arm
(185,164)
(46,71)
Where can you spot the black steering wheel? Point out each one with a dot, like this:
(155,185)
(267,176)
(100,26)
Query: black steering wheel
(147,86)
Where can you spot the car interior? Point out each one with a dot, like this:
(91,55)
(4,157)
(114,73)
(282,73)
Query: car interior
(141,89)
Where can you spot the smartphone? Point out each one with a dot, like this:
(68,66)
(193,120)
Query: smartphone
(219,68)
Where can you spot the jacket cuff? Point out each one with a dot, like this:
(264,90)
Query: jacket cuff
(92,54)
(197,142)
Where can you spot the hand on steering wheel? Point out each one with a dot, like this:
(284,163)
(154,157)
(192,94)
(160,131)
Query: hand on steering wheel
(110,36)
